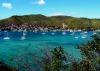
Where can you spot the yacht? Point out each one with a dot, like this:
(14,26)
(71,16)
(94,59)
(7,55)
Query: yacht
(71,30)
(83,36)
(85,32)
(76,37)
(53,33)
(6,38)
(79,30)
(63,33)
(43,33)
(23,38)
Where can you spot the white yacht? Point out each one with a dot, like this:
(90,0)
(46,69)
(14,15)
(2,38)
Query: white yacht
(23,38)
(53,33)
(6,38)
(85,32)
(43,33)
(71,30)
(63,33)
(76,37)
(79,30)
(83,36)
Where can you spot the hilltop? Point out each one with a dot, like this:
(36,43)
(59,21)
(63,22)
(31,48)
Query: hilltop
(30,21)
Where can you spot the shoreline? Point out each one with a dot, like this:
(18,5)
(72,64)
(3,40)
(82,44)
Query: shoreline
(48,30)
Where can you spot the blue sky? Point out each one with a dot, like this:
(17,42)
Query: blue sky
(76,8)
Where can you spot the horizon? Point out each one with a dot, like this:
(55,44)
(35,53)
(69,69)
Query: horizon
(77,8)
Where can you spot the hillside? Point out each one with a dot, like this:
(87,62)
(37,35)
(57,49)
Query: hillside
(52,21)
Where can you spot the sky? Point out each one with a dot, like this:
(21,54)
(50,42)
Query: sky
(75,8)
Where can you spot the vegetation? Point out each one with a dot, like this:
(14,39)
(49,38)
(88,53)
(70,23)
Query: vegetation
(89,62)
(53,21)
(91,52)
(57,60)
(4,67)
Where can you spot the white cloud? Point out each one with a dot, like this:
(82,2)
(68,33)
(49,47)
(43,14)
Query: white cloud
(40,2)
(57,14)
(7,5)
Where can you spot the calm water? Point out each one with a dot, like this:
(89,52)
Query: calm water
(13,45)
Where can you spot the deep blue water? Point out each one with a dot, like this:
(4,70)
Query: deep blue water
(38,42)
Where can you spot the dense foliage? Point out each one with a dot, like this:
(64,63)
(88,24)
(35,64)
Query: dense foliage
(89,62)
(4,67)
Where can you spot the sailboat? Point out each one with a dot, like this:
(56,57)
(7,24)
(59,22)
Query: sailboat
(24,35)
(6,38)
(23,38)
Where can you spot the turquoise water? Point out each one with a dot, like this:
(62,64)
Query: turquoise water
(38,42)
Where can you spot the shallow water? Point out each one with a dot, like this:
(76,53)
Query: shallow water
(38,42)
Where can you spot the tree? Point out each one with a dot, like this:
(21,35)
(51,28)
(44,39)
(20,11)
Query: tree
(91,53)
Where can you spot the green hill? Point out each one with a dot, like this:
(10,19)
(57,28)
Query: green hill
(52,21)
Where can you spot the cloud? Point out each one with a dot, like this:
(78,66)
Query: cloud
(7,5)
(40,2)
(57,14)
